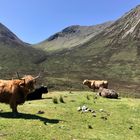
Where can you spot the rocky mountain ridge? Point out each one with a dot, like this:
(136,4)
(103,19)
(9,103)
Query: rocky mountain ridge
(70,37)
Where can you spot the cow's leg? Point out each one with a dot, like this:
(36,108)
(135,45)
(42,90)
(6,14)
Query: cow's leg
(13,106)
(14,109)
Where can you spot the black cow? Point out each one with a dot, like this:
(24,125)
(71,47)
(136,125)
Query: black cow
(37,94)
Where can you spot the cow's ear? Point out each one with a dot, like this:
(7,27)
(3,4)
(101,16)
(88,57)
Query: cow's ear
(22,83)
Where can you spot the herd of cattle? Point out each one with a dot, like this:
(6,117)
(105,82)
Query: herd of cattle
(102,87)
(16,91)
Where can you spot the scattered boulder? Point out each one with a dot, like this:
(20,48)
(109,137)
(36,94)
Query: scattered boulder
(40,112)
(104,117)
(90,127)
(131,127)
(94,114)
(92,111)
(79,108)
(95,97)
(84,108)
(101,110)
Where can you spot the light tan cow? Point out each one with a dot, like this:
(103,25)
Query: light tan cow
(96,84)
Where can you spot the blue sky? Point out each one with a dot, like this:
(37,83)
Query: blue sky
(35,20)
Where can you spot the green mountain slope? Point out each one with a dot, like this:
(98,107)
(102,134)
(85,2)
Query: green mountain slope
(113,54)
(71,37)
(15,55)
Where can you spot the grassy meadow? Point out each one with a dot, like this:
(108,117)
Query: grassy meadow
(48,120)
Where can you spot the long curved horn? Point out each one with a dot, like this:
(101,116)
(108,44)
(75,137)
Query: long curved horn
(18,75)
(37,76)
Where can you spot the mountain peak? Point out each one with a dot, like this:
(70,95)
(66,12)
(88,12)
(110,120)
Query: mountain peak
(6,34)
(71,36)
(71,29)
(68,30)
(137,7)
(127,26)
(135,12)
(77,30)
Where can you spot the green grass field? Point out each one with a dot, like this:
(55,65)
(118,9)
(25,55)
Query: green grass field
(115,119)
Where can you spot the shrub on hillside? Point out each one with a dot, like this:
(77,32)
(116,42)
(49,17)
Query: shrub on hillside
(61,99)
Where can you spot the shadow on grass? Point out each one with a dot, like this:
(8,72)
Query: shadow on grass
(29,116)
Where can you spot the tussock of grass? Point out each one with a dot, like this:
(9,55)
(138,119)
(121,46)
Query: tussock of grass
(61,99)
(88,98)
(55,100)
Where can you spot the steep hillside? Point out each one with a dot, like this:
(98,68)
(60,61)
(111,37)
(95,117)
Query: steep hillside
(114,54)
(15,55)
(7,35)
(107,51)
(71,37)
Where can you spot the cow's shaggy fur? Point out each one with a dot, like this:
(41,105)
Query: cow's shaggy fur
(96,84)
(14,92)
(108,93)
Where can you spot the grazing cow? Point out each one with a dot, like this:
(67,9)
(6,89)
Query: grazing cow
(108,93)
(96,84)
(14,92)
(37,94)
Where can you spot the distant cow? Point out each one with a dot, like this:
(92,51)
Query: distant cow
(96,84)
(108,93)
(14,92)
(37,94)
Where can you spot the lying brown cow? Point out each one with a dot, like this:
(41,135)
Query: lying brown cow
(108,93)
(14,92)
(96,84)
